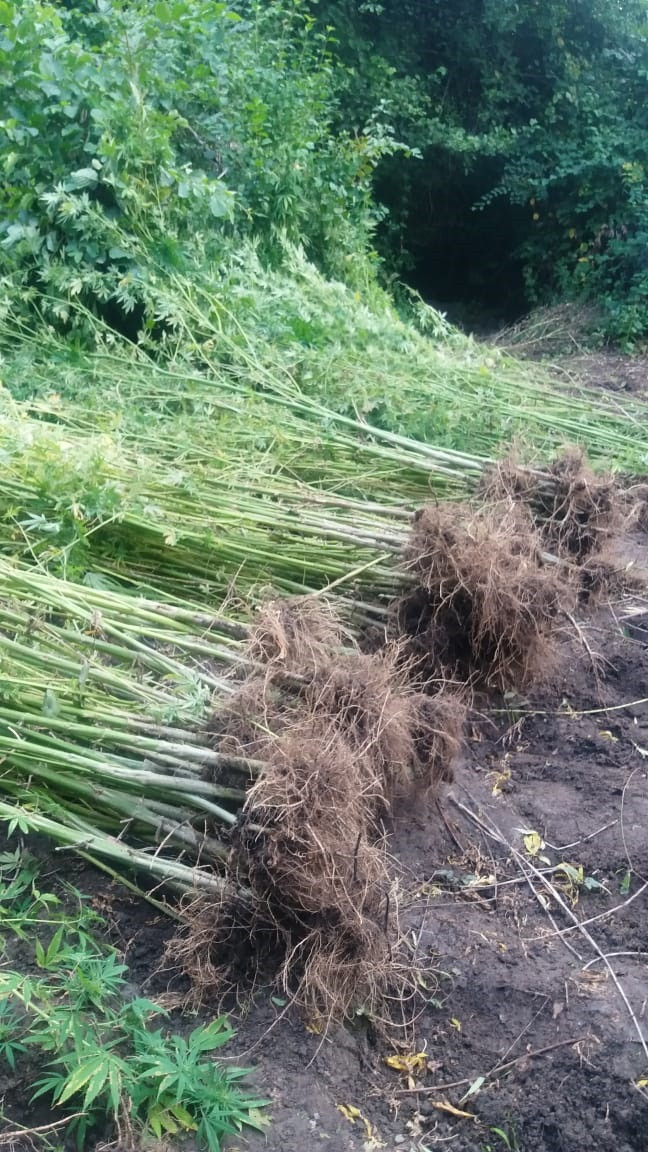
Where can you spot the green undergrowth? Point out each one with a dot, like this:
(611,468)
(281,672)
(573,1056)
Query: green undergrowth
(108,1064)
(248,359)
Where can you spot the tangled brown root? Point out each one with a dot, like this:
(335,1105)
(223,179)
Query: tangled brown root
(223,946)
(340,737)
(407,739)
(306,839)
(439,736)
(608,576)
(485,607)
(411,739)
(295,634)
(308,858)
(349,966)
(576,511)
(328,971)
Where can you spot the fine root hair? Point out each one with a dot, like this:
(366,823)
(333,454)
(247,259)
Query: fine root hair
(576,511)
(295,634)
(485,608)
(337,736)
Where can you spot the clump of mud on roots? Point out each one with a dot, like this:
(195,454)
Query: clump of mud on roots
(576,511)
(485,608)
(341,735)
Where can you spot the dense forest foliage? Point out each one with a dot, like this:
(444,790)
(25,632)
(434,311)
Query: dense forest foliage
(531,123)
(491,152)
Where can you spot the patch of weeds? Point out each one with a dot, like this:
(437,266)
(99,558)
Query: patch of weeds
(109,1062)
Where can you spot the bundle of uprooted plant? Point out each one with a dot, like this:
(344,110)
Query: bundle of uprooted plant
(343,736)
(255,761)
(273,810)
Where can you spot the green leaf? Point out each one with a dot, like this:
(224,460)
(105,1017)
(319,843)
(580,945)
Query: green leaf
(211,1036)
(96,1085)
(47,1085)
(476,1085)
(162,1121)
(83,178)
(184,1117)
(155,1120)
(54,946)
(81,1075)
(115,1082)
(220,203)
(592,885)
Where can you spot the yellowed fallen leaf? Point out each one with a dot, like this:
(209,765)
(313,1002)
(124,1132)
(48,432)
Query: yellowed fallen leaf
(351,1113)
(410,1062)
(433,891)
(456,1023)
(481,881)
(570,879)
(643,1083)
(501,779)
(446,1106)
(607,735)
(573,873)
(533,843)
(314,1028)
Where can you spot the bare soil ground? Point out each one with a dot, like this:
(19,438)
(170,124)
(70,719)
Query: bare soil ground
(514,975)
(612,372)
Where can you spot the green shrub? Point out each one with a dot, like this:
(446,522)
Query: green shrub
(136,133)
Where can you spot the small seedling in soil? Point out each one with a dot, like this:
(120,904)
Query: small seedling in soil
(108,1062)
(505,1140)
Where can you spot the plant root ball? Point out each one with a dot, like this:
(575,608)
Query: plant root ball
(576,511)
(485,608)
(340,735)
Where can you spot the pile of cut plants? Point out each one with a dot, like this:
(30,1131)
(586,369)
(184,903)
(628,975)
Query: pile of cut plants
(244,635)
(246,763)
(272,538)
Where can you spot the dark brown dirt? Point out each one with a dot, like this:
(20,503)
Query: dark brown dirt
(612,372)
(568,763)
